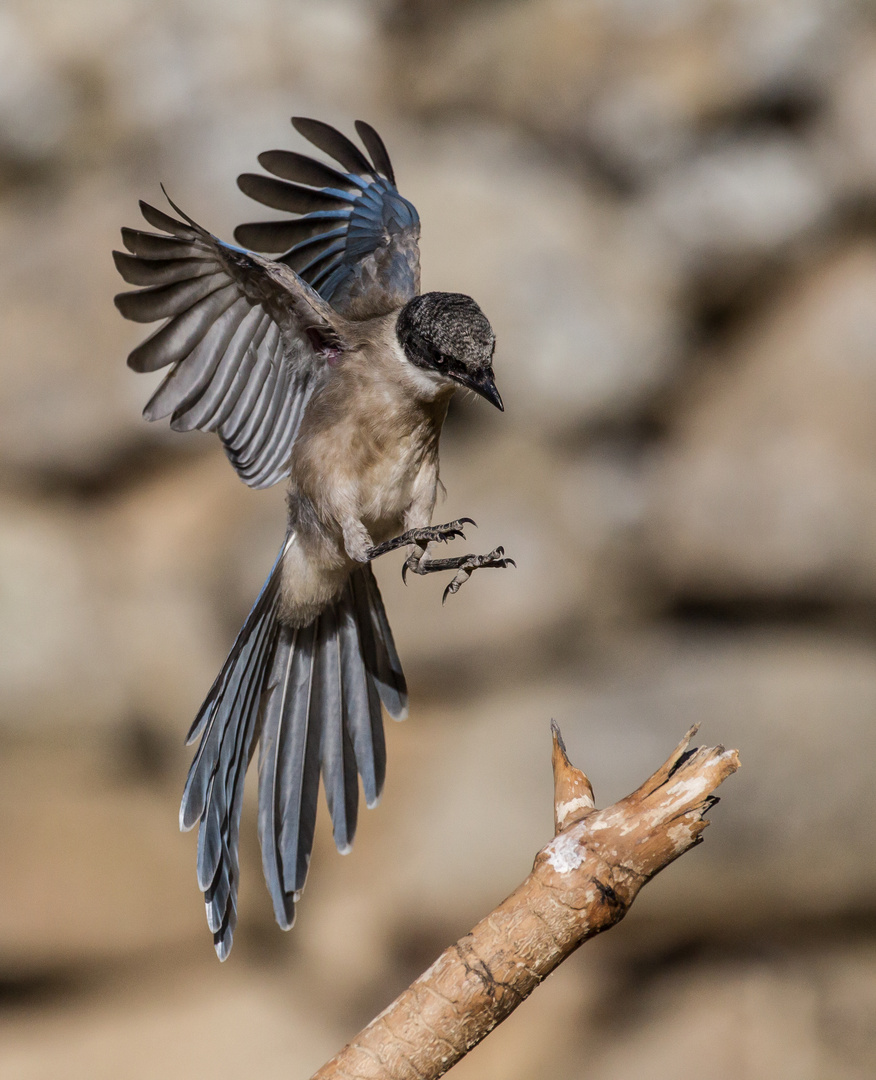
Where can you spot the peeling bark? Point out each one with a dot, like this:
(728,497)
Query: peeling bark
(583,881)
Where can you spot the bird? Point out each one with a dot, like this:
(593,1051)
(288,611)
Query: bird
(310,350)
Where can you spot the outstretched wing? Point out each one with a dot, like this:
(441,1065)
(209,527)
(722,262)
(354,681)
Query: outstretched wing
(356,242)
(246,339)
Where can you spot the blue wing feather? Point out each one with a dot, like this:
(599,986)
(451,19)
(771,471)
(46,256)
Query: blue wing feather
(373,265)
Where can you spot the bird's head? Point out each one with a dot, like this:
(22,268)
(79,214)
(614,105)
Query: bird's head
(447,335)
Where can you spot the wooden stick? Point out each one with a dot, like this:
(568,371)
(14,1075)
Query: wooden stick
(582,883)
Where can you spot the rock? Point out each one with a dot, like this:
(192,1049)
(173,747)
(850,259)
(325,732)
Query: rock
(765,488)
(57,652)
(738,205)
(108,81)
(749,1017)
(35,112)
(847,132)
(95,870)
(175,1022)
(632,86)
(69,408)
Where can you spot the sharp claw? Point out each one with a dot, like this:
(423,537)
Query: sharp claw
(467,521)
(404,573)
(456,584)
(511,562)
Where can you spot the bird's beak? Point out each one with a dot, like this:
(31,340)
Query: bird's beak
(483,383)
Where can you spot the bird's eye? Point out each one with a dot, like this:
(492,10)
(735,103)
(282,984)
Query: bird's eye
(440,358)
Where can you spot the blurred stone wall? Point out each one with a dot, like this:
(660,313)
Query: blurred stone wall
(668,210)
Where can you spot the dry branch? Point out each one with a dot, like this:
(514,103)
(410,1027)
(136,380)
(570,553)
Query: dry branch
(582,882)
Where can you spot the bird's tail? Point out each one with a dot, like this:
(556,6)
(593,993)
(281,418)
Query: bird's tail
(312,696)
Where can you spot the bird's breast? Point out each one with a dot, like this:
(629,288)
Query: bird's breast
(365,463)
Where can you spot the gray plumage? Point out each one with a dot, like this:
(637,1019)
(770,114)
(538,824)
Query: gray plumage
(323,366)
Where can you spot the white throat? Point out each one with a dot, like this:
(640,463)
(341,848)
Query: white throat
(427,385)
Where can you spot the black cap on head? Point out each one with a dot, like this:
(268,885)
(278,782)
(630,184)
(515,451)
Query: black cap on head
(449,334)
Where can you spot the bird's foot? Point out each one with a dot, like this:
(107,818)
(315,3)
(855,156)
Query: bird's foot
(433,534)
(471,563)
(464,565)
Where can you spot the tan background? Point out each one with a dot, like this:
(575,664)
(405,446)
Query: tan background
(668,210)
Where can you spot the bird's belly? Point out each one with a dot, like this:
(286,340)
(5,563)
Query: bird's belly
(316,565)
(385,494)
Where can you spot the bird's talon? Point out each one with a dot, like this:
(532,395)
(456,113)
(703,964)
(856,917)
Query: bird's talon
(452,589)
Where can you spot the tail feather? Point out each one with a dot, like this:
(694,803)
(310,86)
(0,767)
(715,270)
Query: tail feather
(390,678)
(217,897)
(236,728)
(221,896)
(381,659)
(312,697)
(223,938)
(279,686)
(266,602)
(363,723)
(221,702)
(228,726)
(209,838)
(298,765)
(336,757)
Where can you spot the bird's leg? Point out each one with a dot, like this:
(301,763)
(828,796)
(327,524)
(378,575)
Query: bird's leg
(422,538)
(419,562)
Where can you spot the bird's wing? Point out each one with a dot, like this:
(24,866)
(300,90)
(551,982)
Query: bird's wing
(248,342)
(356,241)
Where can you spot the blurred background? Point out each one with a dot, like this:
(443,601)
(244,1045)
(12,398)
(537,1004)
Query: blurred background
(667,208)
